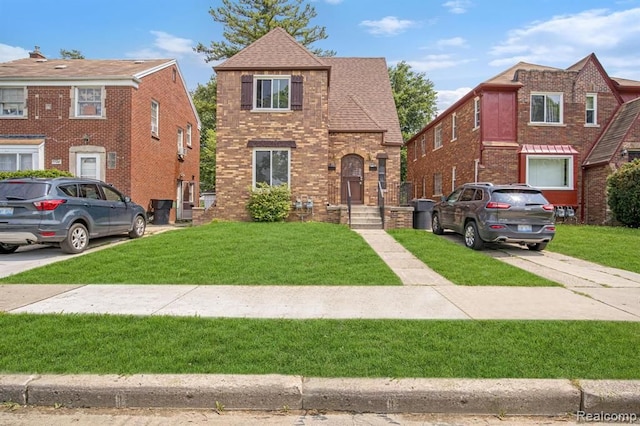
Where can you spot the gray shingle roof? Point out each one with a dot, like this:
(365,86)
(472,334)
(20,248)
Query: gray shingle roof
(86,69)
(609,142)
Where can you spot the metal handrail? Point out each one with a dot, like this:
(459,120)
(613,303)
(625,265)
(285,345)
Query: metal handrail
(381,202)
(349,201)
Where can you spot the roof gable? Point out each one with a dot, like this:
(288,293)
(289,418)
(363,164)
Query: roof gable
(275,50)
(609,142)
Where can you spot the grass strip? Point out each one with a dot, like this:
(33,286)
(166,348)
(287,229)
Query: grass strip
(606,245)
(103,344)
(309,253)
(461,265)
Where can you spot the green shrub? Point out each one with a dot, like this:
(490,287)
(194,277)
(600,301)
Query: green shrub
(623,191)
(269,203)
(50,173)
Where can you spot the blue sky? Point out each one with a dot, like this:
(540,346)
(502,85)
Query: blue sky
(456,43)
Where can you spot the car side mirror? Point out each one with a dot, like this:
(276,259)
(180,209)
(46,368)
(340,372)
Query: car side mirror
(127,199)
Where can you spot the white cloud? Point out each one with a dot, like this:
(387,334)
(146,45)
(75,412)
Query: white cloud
(11,53)
(457,6)
(452,42)
(167,45)
(564,39)
(333,1)
(446,98)
(436,62)
(389,25)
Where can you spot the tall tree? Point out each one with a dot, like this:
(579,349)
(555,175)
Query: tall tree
(245,21)
(415,101)
(71,54)
(204,99)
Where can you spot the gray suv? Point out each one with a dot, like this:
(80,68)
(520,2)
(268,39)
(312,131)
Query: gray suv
(65,212)
(483,213)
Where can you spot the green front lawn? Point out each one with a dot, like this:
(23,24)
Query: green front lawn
(99,344)
(227,253)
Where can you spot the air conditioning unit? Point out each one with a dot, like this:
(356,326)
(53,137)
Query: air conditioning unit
(181,152)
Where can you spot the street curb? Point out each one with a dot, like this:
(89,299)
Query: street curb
(280,392)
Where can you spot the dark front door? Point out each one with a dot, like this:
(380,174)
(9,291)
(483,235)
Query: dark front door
(353,178)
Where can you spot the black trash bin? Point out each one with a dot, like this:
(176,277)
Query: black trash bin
(161,210)
(422,209)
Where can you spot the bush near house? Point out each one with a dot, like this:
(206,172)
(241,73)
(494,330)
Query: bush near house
(623,191)
(50,173)
(269,203)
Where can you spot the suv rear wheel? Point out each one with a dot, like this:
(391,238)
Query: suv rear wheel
(537,246)
(77,239)
(436,228)
(139,226)
(471,236)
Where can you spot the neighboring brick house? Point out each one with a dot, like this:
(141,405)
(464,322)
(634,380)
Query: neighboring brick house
(317,124)
(131,123)
(562,130)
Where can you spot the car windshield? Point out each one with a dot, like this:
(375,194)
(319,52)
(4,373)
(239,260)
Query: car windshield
(519,197)
(21,190)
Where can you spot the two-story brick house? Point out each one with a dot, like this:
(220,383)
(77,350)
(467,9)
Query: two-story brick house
(561,130)
(131,123)
(323,126)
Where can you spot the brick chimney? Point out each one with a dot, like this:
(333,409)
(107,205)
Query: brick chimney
(36,54)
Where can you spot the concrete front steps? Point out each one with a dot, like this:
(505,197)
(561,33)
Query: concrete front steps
(365,217)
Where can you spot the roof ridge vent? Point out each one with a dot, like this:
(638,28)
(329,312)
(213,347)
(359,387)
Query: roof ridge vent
(138,61)
(41,60)
(60,67)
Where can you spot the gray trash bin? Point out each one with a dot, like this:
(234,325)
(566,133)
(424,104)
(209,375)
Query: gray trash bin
(422,209)
(161,210)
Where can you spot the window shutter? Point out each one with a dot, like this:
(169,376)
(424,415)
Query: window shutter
(246,95)
(296,92)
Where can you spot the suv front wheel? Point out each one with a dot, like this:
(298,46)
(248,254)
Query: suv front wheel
(471,237)
(77,239)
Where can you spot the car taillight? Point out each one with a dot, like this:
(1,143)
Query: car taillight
(47,205)
(548,207)
(497,226)
(496,205)
(550,228)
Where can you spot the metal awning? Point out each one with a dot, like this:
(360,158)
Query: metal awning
(548,149)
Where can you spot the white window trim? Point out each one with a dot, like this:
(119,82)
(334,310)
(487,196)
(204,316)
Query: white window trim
(547,123)
(476,113)
(76,102)
(155,130)
(189,131)
(437,181)
(270,77)
(180,141)
(37,151)
(454,127)
(25,112)
(437,137)
(569,187)
(423,146)
(595,111)
(253,164)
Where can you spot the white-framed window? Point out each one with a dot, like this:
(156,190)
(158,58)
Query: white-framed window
(155,114)
(189,135)
(437,184)
(12,102)
(476,113)
(453,178)
(272,92)
(437,137)
(423,147)
(591,109)
(89,101)
(21,157)
(88,166)
(271,166)
(180,141)
(546,108)
(415,150)
(454,126)
(550,171)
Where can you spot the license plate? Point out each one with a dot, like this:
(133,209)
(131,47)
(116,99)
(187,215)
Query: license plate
(6,211)
(524,228)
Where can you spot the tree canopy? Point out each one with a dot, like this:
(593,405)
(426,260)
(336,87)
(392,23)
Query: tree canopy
(245,21)
(71,54)
(204,99)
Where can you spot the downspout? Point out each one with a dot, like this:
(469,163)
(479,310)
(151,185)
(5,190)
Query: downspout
(475,169)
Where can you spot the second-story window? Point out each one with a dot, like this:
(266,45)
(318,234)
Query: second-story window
(89,101)
(437,137)
(591,116)
(12,102)
(423,148)
(454,126)
(476,113)
(180,141)
(155,114)
(272,92)
(546,108)
(189,135)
